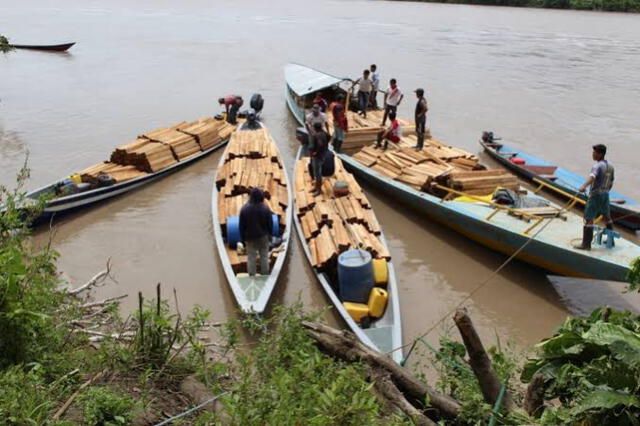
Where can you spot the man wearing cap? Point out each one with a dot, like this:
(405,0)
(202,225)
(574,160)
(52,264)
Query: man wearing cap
(316,116)
(600,181)
(340,123)
(255,229)
(421,117)
(392,99)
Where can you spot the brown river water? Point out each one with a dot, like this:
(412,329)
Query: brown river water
(553,82)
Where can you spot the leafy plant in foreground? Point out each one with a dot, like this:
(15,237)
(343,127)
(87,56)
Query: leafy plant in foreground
(592,366)
(104,407)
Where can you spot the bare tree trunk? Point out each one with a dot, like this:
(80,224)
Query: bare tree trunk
(480,362)
(385,387)
(343,344)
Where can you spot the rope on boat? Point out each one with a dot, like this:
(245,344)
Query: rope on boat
(480,286)
(191,410)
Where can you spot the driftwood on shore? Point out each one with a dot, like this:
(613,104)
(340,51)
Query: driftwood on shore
(404,391)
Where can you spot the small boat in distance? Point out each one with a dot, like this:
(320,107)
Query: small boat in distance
(328,226)
(251,160)
(149,157)
(449,185)
(624,210)
(49,47)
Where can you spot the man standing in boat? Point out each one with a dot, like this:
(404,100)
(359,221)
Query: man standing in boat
(318,145)
(375,83)
(391,133)
(421,117)
(392,99)
(315,116)
(364,92)
(340,123)
(232,104)
(255,229)
(600,181)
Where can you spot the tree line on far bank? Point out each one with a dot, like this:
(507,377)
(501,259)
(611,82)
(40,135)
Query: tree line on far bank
(599,5)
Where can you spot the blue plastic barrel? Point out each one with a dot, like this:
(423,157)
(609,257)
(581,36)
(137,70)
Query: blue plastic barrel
(275,225)
(355,276)
(233,231)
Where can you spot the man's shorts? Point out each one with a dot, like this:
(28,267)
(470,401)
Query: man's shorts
(338,133)
(597,205)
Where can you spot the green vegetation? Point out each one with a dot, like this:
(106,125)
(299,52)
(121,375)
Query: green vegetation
(105,407)
(592,366)
(598,5)
(4,44)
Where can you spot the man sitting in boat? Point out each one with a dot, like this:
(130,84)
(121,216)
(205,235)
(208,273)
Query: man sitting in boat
(232,104)
(316,116)
(318,145)
(600,180)
(391,133)
(255,228)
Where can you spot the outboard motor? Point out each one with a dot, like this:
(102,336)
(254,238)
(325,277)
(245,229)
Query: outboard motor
(252,122)
(487,137)
(257,103)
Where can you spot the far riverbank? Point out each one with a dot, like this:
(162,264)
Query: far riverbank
(632,6)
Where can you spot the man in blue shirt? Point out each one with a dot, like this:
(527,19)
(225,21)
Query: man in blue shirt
(600,181)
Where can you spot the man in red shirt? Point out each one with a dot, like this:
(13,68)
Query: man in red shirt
(340,123)
(232,104)
(391,133)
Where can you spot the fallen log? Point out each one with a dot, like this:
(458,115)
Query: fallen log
(534,398)
(480,362)
(343,344)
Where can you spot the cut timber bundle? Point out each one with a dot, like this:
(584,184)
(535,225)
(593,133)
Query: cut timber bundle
(332,225)
(118,172)
(153,157)
(182,145)
(208,132)
(483,179)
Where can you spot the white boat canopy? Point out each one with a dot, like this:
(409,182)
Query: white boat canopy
(304,80)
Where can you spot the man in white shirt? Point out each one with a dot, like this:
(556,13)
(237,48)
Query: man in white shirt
(316,116)
(364,92)
(375,80)
(392,99)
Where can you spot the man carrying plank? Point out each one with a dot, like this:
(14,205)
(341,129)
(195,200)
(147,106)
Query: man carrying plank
(255,229)
(391,133)
(600,180)
(318,145)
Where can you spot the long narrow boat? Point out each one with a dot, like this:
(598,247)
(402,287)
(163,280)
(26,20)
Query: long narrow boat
(251,160)
(50,47)
(328,227)
(147,159)
(439,182)
(624,210)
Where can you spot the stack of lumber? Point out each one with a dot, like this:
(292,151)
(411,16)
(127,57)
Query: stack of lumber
(332,225)
(181,144)
(251,161)
(116,171)
(363,131)
(481,181)
(435,163)
(208,132)
(164,147)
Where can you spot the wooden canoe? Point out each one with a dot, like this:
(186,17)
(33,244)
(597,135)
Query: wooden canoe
(501,229)
(624,210)
(58,205)
(385,333)
(50,47)
(251,293)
